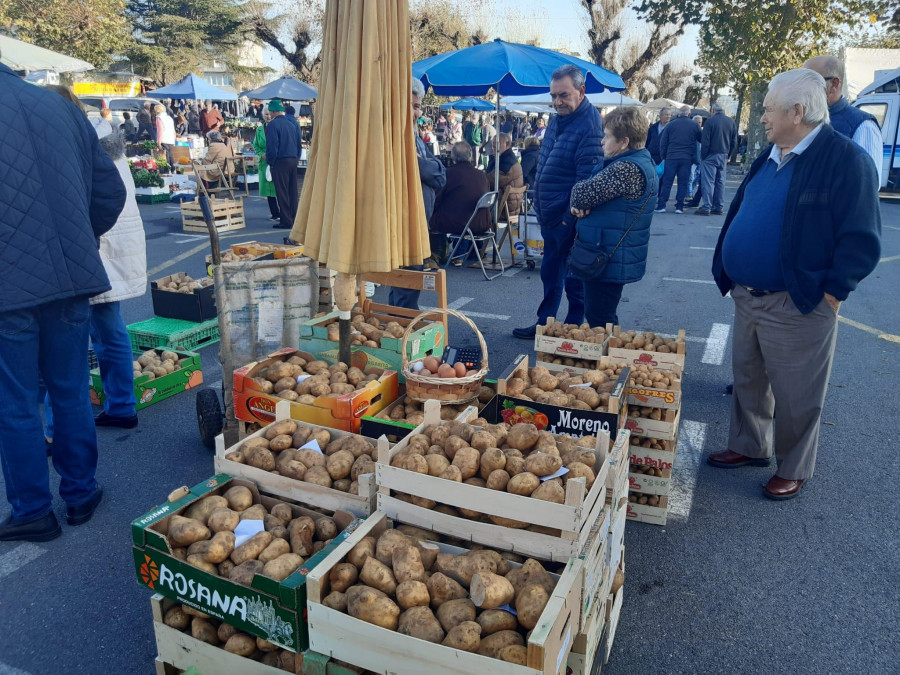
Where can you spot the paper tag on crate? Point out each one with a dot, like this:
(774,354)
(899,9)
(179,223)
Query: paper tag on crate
(562,472)
(312,445)
(586,384)
(246,529)
(300,378)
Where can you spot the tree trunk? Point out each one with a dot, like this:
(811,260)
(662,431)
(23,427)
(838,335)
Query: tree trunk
(739,113)
(756,134)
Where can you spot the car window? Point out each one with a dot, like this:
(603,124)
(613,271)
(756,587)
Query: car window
(95,101)
(126,104)
(877,110)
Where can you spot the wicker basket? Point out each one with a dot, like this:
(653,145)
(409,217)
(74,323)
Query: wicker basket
(445,390)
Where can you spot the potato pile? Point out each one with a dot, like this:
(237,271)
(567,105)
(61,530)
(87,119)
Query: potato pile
(182,283)
(641,498)
(652,443)
(646,470)
(648,342)
(648,376)
(498,457)
(285,379)
(645,412)
(366,331)
(229,256)
(571,331)
(156,363)
(338,466)
(203,536)
(413,412)
(405,584)
(565,361)
(562,389)
(212,631)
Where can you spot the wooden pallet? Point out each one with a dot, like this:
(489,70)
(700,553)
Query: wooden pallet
(228,214)
(592,645)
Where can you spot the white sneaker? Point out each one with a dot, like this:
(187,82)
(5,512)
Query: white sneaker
(662,210)
(678,211)
(370,289)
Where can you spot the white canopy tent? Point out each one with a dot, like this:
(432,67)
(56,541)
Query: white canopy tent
(599,100)
(19,55)
(660,103)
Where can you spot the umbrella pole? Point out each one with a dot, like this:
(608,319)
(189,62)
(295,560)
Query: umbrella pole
(497,172)
(345,298)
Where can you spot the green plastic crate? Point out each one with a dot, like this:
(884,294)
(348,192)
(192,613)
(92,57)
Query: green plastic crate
(172,333)
(153,199)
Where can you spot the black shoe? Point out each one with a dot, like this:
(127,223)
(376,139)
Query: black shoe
(718,213)
(526,333)
(79,515)
(692,205)
(729,390)
(701,212)
(104,420)
(44,528)
(281,227)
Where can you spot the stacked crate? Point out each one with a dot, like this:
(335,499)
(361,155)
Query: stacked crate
(565,354)
(326,295)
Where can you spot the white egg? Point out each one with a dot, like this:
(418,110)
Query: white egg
(417,366)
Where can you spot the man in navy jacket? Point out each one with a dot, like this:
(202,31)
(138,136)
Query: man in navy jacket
(570,150)
(678,148)
(803,230)
(283,150)
(58,193)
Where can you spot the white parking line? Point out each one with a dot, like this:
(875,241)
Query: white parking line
(459,303)
(20,556)
(891,259)
(482,315)
(713,227)
(690,281)
(687,464)
(512,271)
(703,248)
(716,344)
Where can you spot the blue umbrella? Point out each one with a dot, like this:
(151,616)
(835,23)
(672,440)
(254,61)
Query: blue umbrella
(510,69)
(287,88)
(468,104)
(193,87)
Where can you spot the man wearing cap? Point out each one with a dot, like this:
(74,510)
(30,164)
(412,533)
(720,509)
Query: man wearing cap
(282,155)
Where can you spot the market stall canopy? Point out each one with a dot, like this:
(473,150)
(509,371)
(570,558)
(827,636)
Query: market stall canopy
(193,87)
(20,55)
(660,103)
(530,108)
(287,88)
(468,104)
(507,67)
(361,208)
(598,100)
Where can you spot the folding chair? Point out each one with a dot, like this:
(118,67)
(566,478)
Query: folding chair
(214,169)
(503,217)
(487,202)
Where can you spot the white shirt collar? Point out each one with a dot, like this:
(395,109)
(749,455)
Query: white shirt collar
(775,153)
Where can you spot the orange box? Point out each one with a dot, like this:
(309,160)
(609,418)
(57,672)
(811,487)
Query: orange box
(345,412)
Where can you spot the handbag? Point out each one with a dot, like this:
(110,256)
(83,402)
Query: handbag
(588,261)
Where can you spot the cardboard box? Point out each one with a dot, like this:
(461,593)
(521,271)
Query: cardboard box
(278,251)
(644,513)
(197,306)
(149,390)
(665,429)
(568,348)
(272,610)
(345,412)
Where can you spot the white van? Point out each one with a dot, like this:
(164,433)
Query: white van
(881,99)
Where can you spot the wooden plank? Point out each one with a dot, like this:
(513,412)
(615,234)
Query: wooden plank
(612,623)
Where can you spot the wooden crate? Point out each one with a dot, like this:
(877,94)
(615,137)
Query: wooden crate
(614,610)
(665,429)
(337,634)
(669,398)
(638,357)
(575,518)
(307,493)
(591,647)
(567,348)
(228,214)
(644,513)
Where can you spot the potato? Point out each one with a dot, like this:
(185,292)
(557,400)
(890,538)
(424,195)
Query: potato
(225,568)
(176,618)
(339,464)
(311,458)
(465,637)
(326,528)
(336,600)
(523,484)
(225,632)
(283,512)
(492,644)
(363,465)
(222,520)
(363,549)
(185,531)
(412,594)
(490,591)
(530,603)
(467,461)
(376,574)
(203,630)
(200,510)
(357,446)
(531,572)
(260,458)
(406,562)
(179,552)
(284,427)
(452,473)
(190,611)
(277,548)
(387,542)
(288,464)
(542,464)
(514,465)
(497,480)
(283,566)
(452,445)
(482,440)
(302,530)
(342,484)
(428,552)
(454,612)
(279,370)
(580,470)
(550,491)
(494,620)
(243,574)
(522,436)
(220,547)
(372,606)
(318,475)
(280,443)
(419,622)
(514,654)
(436,464)
(251,548)
(442,588)
(265,645)
(342,576)
(241,644)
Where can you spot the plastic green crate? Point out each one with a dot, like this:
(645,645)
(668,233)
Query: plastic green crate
(172,333)
(153,199)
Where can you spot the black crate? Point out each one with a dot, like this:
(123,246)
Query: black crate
(200,305)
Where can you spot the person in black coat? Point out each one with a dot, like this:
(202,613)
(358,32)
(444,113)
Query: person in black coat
(530,154)
(655,132)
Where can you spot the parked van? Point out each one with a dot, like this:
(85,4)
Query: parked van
(881,99)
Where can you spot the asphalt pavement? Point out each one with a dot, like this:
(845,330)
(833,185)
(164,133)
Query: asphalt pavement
(733,583)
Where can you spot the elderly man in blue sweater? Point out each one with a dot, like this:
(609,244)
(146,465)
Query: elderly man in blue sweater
(803,230)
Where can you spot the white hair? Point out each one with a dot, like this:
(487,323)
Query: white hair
(417,88)
(804,87)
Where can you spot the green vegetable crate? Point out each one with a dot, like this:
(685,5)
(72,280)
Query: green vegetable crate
(173,334)
(149,390)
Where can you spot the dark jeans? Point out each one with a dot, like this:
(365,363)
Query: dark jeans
(600,302)
(50,340)
(284,176)
(149,128)
(167,147)
(555,276)
(405,297)
(273,207)
(674,167)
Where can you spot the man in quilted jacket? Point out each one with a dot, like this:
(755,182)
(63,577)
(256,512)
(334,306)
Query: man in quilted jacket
(569,151)
(59,191)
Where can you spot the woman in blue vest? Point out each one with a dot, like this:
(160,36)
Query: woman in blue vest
(614,208)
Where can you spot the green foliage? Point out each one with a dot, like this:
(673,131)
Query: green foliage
(144,178)
(92,30)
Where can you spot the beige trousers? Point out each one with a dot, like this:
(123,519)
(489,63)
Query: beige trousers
(782,361)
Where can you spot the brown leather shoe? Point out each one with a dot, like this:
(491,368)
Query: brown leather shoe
(780,489)
(728,459)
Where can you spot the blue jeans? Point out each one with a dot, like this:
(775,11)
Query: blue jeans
(109,336)
(50,339)
(601,299)
(680,168)
(555,276)
(713,176)
(405,297)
